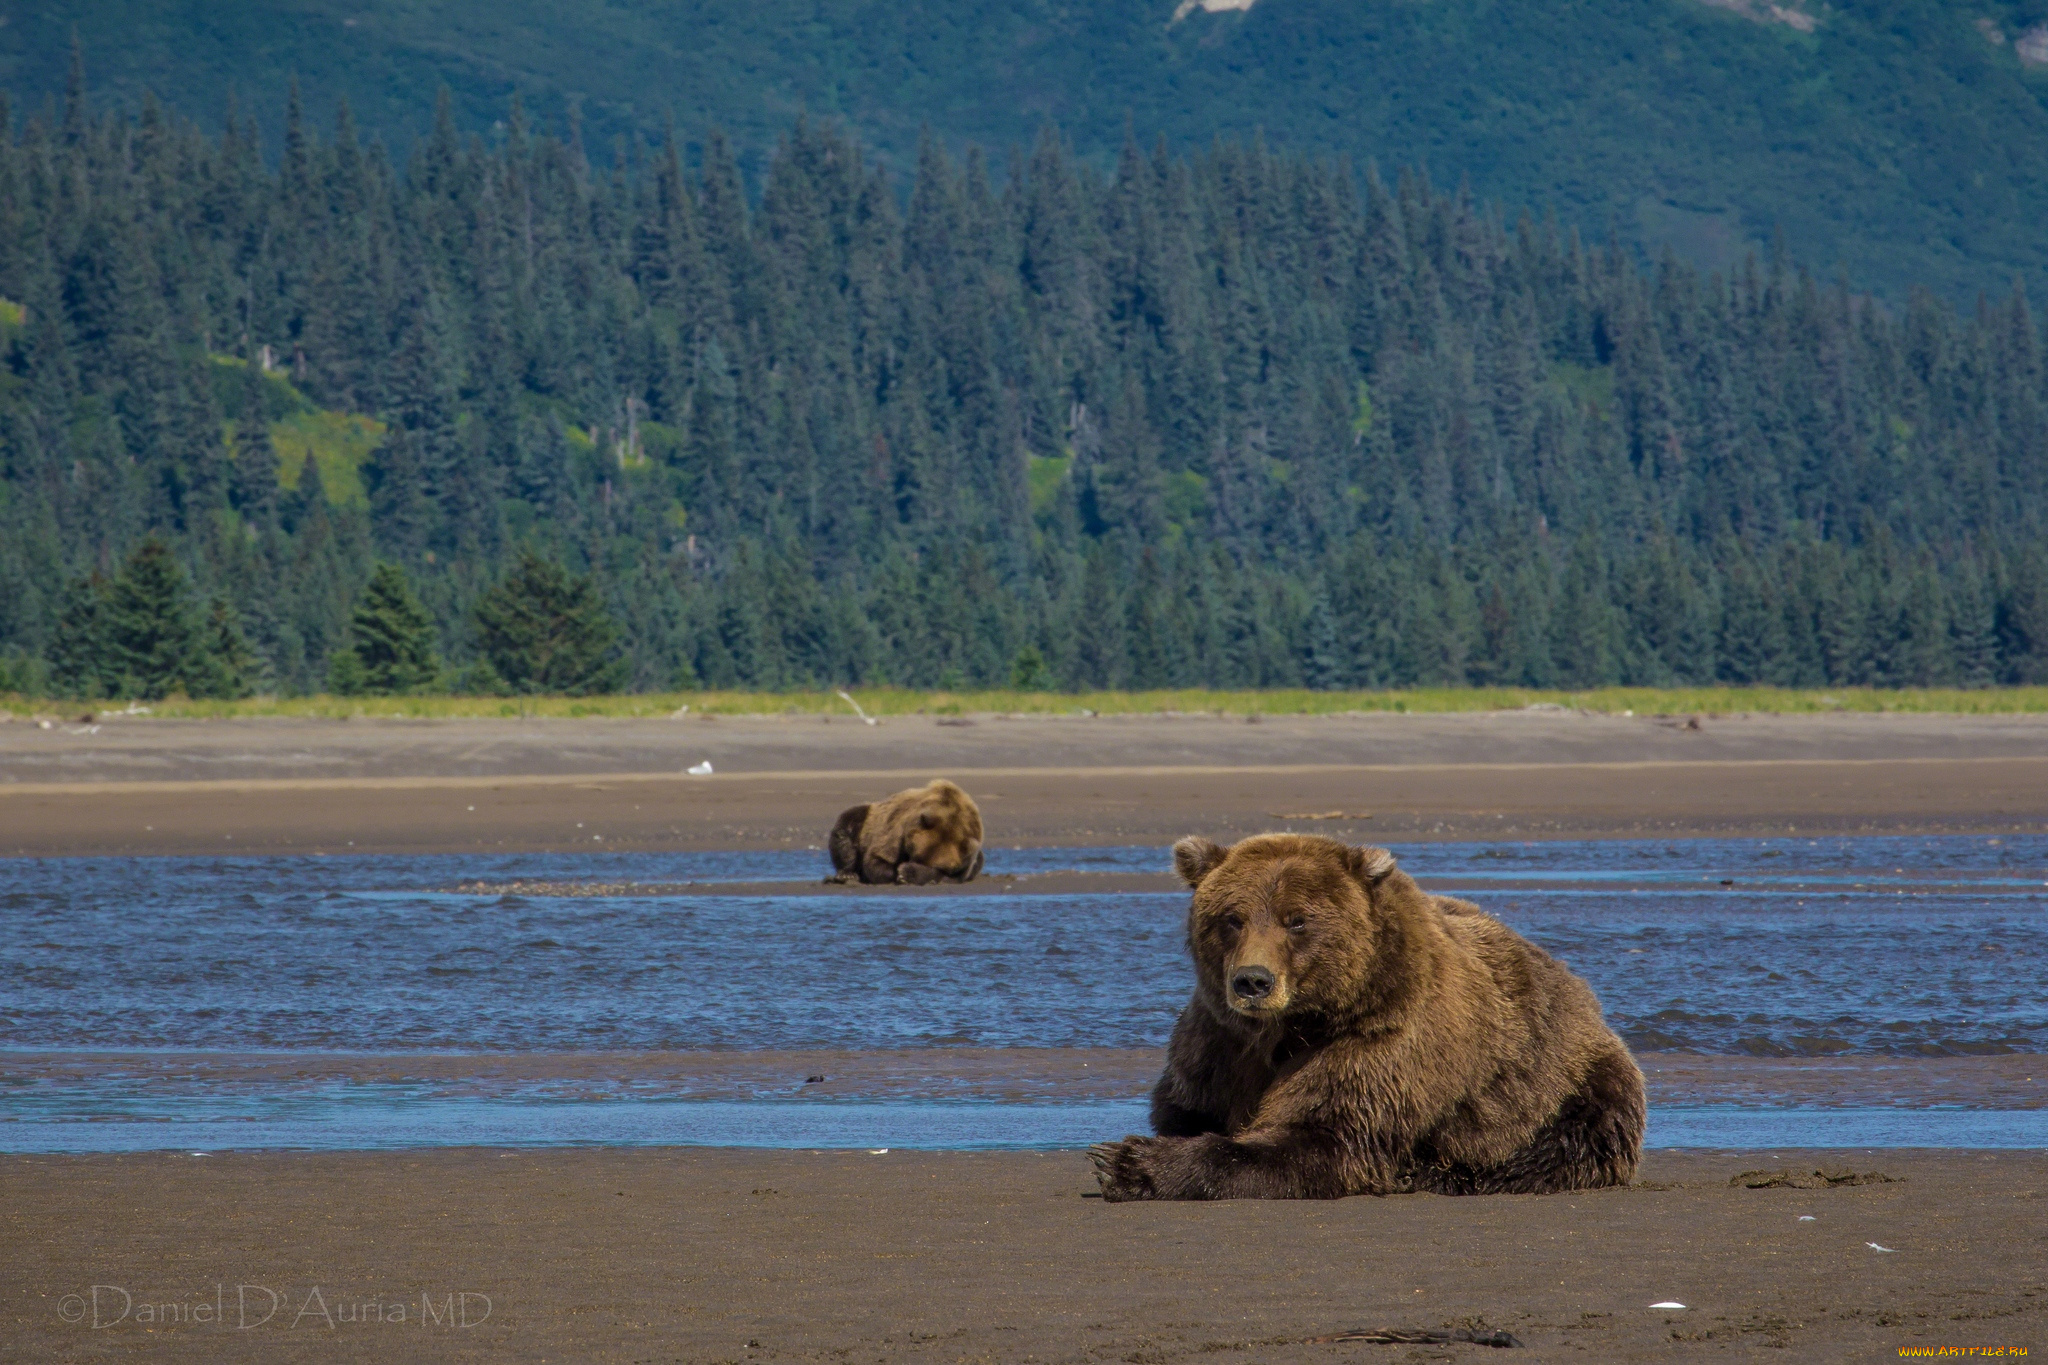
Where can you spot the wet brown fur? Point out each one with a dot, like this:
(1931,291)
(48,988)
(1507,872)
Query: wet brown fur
(926,834)
(1412,1043)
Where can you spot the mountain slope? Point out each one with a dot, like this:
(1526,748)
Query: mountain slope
(1898,141)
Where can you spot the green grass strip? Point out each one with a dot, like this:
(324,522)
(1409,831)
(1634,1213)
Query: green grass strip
(884,701)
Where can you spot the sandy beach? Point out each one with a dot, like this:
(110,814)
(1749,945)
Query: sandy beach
(263,786)
(703,1255)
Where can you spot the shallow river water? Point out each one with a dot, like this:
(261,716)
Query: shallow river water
(1923,948)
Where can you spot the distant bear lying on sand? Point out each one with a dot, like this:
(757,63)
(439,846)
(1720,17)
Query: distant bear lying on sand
(916,837)
(1351,1034)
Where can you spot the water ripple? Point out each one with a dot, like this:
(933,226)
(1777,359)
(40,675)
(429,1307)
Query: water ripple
(1923,946)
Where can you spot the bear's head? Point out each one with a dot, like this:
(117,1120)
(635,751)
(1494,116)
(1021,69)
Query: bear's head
(1292,923)
(946,833)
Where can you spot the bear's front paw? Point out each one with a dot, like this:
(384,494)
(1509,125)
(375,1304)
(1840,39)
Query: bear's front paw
(915,874)
(1124,1169)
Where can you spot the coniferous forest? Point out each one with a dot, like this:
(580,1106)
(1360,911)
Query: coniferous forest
(509,416)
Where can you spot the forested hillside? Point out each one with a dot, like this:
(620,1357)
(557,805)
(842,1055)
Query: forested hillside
(1897,141)
(1236,419)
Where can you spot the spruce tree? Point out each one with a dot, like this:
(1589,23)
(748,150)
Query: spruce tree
(1099,658)
(401,511)
(345,674)
(154,645)
(1752,628)
(744,626)
(225,666)
(2023,620)
(391,637)
(78,655)
(1843,624)
(1584,626)
(1322,656)
(544,630)
(1974,626)
(1028,672)
(1237,661)
(1926,647)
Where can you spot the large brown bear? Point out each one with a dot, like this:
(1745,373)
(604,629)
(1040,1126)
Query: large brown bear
(916,837)
(1351,1034)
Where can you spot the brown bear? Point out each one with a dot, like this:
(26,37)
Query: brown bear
(1351,1034)
(914,838)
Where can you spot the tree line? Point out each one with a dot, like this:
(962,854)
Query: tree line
(1239,418)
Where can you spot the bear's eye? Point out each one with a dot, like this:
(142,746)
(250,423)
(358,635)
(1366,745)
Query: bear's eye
(1232,923)
(1297,924)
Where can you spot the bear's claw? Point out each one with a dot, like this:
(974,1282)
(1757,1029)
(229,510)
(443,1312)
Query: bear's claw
(1120,1168)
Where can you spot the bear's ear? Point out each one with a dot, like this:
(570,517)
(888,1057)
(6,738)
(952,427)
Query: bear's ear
(1370,865)
(1195,858)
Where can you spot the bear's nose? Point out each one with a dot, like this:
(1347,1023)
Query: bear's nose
(1251,983)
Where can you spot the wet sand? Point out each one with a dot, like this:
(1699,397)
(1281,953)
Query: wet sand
(142,787)
(702,1256)
(2011,1081)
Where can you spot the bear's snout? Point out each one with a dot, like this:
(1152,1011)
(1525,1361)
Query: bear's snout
(1251,983)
